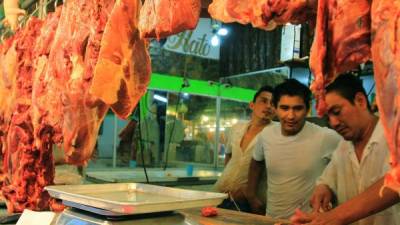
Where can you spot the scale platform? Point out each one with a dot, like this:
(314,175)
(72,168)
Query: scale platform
(120,204)
(79,217)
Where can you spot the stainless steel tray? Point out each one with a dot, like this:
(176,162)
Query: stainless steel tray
(134,198)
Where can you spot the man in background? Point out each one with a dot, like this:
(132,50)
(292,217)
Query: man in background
(240,149)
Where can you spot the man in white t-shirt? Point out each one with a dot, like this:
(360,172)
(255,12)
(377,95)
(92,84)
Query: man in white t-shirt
(361,159)
(239,150)
(295,153)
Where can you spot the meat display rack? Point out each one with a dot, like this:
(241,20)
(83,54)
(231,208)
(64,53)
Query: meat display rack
(131,198)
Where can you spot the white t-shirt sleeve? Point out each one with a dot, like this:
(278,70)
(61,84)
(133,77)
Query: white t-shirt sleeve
(329,176)
(330,142)
(258,152)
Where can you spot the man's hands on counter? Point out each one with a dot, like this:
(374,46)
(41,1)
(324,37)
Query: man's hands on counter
(321,198)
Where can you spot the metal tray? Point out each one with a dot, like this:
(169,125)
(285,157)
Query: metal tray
(133,198)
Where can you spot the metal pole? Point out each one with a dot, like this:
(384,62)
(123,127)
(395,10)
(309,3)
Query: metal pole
(217,125)
(115,141)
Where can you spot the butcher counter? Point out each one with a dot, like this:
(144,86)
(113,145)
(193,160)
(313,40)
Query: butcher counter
(180,217)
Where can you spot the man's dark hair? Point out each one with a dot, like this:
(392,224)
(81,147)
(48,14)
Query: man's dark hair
(292,87)
(347,86)
(266,88)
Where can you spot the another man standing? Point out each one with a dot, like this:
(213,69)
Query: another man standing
(240,148)
(295,153)
(361,158)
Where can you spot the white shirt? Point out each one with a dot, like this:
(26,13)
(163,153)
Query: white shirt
(293,164)
(235,174)
(347,177)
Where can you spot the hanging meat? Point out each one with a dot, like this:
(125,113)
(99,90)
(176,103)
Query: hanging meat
(123,70)
(341,42)
(47,70)
(162,18)
(76,113)
(293,11)
(386,57)
(241,11)
(25,165)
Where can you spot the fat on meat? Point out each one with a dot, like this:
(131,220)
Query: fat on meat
(162,18)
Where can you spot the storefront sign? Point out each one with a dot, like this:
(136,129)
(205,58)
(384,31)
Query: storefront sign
(196,42)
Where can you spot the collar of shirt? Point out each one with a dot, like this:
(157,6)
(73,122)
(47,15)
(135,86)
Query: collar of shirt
(375,138)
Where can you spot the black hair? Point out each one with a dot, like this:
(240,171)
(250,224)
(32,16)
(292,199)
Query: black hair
(266,88)
(347,86)
(292,87)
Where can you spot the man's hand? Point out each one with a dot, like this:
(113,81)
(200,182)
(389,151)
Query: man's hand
(321,198)
(256,205)
(315,218)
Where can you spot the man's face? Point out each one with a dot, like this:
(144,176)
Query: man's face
(344,116)
(291,111)
(263,108)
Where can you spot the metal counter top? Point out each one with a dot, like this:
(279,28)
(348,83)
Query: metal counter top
(169,177)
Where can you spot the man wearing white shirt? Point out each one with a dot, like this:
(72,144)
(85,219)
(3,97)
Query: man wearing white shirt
(239,150)
(295,153)
(362,158)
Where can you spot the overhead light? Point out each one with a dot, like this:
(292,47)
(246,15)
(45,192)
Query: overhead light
(185,95)
(222,31)
(215,40)
(160,98)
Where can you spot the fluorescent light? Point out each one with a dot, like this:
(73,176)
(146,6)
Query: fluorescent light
(160,98)
(215,40)
(204,118)
(222,32)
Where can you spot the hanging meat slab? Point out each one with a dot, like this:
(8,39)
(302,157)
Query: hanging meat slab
(162,18)
(123,70)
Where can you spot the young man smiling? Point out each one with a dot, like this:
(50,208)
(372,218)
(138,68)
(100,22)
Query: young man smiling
(294,152)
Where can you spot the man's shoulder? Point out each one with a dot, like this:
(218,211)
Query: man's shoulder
(270,128)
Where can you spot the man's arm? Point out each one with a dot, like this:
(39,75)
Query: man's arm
(365,204)
(368,203)
(255,170)
(228,157)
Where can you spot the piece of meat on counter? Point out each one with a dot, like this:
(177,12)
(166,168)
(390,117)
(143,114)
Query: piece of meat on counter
(123,70)
(386,57)
(341,42)
(162,18)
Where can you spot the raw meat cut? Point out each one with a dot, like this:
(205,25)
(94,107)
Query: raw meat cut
(25,166)
(341,42)
(241,11)
(74,62)
(46,71)
(162,18)
(386,57)
(293,11)
(123,70)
